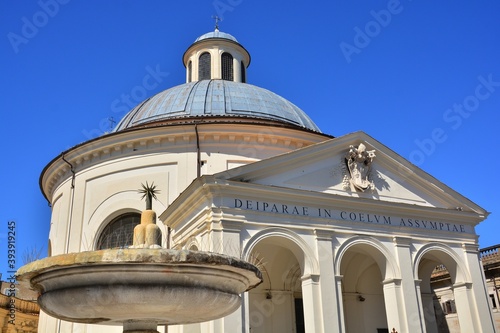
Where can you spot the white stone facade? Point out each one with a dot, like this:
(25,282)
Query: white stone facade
(356,265)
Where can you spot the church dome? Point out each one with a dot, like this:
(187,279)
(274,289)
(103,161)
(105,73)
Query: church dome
(215,98)
(215,88)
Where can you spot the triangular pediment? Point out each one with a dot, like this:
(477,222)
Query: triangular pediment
(322,168)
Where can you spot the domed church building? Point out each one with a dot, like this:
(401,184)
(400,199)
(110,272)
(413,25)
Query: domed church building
(345,231)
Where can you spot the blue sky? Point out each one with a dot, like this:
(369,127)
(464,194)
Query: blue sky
(421,77)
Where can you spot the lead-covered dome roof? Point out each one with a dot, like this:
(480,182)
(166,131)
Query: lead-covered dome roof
(216,34)
(215,98)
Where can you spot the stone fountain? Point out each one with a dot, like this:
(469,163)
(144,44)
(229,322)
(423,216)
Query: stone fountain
(140,287)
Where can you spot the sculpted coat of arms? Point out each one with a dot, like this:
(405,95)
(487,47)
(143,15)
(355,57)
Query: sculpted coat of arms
(359,161)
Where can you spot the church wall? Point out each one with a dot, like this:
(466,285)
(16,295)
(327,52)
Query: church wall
(103,191)
(60,216)
(106,191)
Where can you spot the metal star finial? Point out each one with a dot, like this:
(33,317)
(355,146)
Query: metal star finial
(149,192)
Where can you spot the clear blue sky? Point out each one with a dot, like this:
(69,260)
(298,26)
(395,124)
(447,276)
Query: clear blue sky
(421,77)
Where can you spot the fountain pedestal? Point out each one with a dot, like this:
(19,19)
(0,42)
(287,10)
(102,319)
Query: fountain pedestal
(140,288)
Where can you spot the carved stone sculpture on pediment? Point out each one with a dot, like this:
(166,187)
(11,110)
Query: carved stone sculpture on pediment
(358,161)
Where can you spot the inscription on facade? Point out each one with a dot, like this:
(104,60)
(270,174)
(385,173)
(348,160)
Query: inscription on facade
(346,215)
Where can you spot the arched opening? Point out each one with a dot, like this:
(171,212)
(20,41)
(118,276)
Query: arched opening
(276,304)
(204,67)
(243,72)
(119,232)
(441,278)
(227,67)
(190,74)
(363,270)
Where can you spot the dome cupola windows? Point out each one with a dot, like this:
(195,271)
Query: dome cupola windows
(205,66)
(216,55)
(227,66)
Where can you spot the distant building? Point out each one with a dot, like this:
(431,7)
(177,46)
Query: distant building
(19,311)
(444,299)
(346,232)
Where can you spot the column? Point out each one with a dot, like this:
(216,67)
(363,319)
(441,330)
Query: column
(195,67)
(328,286)
(411,313)
(216,64)
(236,69)
(245,313)
(47,323)
(312,303)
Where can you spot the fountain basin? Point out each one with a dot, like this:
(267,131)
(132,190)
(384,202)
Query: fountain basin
(127,286)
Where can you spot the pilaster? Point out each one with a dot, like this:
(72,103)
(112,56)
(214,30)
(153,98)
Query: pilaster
(231,245)
(477,293)
(311,296)
(328,286)
(465,307)
(392,295)
(411,311)
(231,237)
(340,303)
